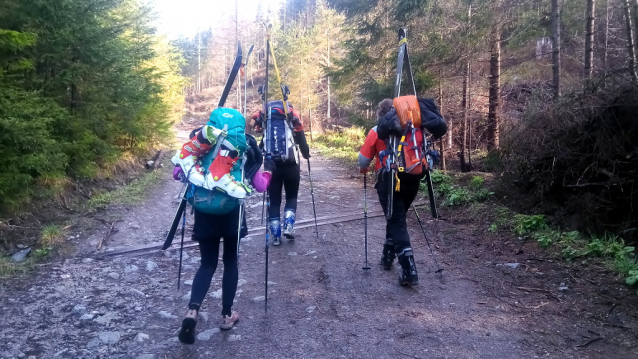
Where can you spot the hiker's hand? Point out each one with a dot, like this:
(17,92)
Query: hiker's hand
(178,173)
(306,153)
(269,165)
(364,170)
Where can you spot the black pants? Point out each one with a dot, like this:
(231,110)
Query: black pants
(396,227)
(286,175)
(208,230)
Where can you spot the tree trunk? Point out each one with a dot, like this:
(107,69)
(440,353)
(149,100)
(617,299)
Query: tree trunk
(630,41)
(635,10)
(606,43)
(493,117)
(328,38)
(589,39)
(441,110)
(466,110)
(556,48)
(199,61)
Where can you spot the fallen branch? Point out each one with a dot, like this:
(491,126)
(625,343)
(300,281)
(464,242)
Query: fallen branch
(99,245)
(593,340)
(156,161)
(408,355)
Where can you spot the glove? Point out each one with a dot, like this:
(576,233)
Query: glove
(178,173)
(269,165)
(364,170)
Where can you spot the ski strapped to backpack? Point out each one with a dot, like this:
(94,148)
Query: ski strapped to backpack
(250,51)
(276,108)
(267,155)
(182,206)
(284,105)
(413,153)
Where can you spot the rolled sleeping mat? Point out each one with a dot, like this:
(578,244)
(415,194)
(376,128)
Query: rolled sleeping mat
(408,110)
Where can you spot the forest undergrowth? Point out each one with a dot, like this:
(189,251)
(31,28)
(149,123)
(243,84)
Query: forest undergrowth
(489,204)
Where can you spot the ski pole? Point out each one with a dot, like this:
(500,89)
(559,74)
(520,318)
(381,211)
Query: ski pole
(365,216)
(241,206)
(267,117)
(263,204)
(438,268)
(312,194)
(428,180)
(266,272)
(181,251)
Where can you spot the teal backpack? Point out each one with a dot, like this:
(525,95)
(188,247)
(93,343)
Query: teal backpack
(217,201)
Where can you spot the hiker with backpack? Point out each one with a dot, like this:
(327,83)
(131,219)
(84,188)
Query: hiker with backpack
(283,137)
(230,155)
(401,118)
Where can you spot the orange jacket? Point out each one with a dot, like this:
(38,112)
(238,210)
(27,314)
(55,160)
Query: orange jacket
(370,149)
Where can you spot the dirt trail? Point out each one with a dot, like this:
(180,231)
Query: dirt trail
(321,304)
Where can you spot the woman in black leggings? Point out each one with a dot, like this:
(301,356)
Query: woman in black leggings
(285,176)
(208,230)
(286,173)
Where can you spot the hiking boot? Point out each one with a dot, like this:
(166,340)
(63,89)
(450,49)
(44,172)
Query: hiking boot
(187,333)
(229,320)
(219,176)
(409,274)
(289,222)
(275,231)
(188,158)
(388,255)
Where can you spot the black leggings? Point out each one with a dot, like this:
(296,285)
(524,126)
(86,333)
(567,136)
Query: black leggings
(286,175)
(208,230)
(397,227)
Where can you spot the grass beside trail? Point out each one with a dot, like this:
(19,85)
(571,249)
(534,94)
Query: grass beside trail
(469,190)
(340,144)
(10,268)
(132,193)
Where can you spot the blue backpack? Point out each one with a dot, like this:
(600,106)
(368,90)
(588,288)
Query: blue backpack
(280,141)
(217,201)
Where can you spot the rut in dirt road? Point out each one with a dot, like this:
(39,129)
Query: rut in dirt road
(321,304)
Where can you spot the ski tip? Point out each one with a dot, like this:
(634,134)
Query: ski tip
(403,33)
(440,270)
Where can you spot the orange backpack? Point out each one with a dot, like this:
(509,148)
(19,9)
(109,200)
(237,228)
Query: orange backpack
(411,157)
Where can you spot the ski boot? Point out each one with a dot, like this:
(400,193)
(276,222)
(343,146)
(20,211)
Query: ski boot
(289,222)
(275,230)
(388,255)
(218,175)
(408,275)
(188,157)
